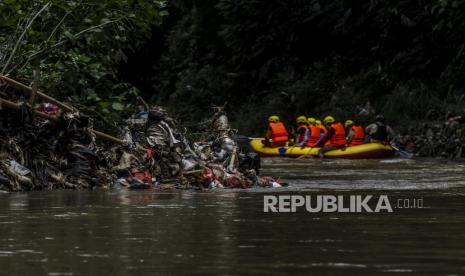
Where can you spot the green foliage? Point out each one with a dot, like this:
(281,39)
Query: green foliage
(312,57)
(80,45)
(291,57)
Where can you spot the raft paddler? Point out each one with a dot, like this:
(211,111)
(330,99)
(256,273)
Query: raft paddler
(335,136)
(311,121)
(314,132)
(379,132)
(322,128)
(355,133)
(302,132)
(277,135)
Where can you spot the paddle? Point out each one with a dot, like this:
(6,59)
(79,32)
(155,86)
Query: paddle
(307,155)
(402,153)
(243,138)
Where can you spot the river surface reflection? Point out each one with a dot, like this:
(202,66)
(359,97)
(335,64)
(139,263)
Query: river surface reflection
(226,232)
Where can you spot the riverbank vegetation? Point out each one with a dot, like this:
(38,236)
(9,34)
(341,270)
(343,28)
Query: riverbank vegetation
(350,59)
(404,59)
(78,46)
(107,61)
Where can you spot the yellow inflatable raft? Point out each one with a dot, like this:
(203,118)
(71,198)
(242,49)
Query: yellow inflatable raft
(370,150)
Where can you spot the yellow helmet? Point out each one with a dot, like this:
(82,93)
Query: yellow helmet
(349,123)
(301,120)
(273,119)
(328,120)
(311,121)
(318,122)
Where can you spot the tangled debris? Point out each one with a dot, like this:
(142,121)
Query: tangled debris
(172,161)
(43,154)
(53,146)
(436,139)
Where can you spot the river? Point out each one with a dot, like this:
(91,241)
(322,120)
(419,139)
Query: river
(226,231)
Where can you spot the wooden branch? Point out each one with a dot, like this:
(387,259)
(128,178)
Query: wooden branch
(56,27)
(61,42)
(35,85)
(22,35)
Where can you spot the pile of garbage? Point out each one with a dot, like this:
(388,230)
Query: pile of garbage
(54,146)
(156,151)
(41,154)
(436,139)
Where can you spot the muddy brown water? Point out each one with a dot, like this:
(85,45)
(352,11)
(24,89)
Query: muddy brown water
(227,232)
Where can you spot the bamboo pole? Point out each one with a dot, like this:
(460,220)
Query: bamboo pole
(64,106)
(15,106)
(26,88)
(107,137)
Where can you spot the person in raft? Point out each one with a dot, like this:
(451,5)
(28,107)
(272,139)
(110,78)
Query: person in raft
(335,136)
(379,132)
(302,132)
(322,128)
(355,134)
(277,135)
(314,132)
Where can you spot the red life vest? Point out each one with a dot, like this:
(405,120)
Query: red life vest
(278,132)
(301,135)
(314,136)
(359,136)
(339,136)
(323,131)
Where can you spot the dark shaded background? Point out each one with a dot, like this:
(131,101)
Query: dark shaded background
(305,57)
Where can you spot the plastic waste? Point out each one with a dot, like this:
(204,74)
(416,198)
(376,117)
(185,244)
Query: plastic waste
(18,168)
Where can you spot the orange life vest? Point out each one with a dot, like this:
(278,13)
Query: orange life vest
(314,136)
(323,131)
(278,132)
(301,135)
(359,136)
(339,136)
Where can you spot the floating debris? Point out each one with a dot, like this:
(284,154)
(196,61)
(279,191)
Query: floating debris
(436,139)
